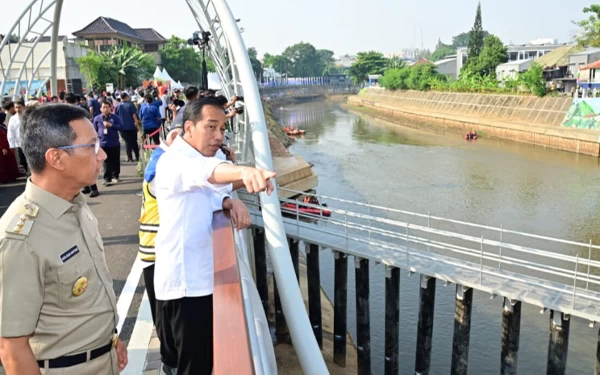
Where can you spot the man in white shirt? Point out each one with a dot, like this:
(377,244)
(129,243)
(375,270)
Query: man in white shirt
(14,134)
(187,178)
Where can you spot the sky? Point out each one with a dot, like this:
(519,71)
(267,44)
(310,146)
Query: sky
(345,27)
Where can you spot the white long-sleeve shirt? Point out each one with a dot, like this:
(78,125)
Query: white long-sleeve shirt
(186,201)
(14,131)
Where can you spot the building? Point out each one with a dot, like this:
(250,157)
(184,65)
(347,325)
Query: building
(531,50)
(581,59)
(104,32)
(511,69)
(68,72)
(447,66)
(589,76)
(555,65)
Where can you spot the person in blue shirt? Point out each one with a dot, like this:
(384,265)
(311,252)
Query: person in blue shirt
(128,114)
(108,125)
(93,106)
(150,116)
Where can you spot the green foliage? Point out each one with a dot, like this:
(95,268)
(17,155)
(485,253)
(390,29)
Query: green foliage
(366,63)
(183,62)
(462,39)
(302,60)
(589,35)
(409,78)
(257,67)
(534,80)
(326,62)
(131,65)
(475,45)
(442,51)
(396,63)
(493,54)
(91,66)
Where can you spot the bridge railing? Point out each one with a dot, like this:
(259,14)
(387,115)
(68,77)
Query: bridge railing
(552,273)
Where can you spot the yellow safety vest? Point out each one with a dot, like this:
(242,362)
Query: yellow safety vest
(149,222)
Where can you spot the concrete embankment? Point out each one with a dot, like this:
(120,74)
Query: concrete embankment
(523,119)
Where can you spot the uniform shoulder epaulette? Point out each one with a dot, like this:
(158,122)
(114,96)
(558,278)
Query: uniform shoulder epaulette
(23,221)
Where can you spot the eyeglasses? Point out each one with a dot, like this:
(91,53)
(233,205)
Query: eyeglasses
(96,146)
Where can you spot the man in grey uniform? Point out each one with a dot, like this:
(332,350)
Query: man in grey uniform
(57,305)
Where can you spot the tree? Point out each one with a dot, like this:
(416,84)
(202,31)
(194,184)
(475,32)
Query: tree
(182,61)
(304,59)
(462,39)
(366,63)
(257,66)
(534,80)
(326,62)
(475,38)
(396,63)
(589,35)
(90,66)
(493,54)
(130,64)
(442,50)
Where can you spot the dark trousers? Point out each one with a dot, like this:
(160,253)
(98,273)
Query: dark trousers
(22,159)
(168,352)
(112,164)
(131,144)
(190,320)
(155,138)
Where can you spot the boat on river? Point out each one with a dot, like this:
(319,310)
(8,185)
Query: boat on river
(292,130)
(292,208)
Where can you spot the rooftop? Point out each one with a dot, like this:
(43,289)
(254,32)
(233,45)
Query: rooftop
(108,26)
(588,51)
(558,57)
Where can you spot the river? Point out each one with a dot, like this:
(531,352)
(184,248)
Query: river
(521,187)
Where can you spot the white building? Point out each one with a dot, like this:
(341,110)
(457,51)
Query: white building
(67,67)
(447,66)
(512,68)
(531,50)
(345,61)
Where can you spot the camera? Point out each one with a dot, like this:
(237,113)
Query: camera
(239,110)
(240,98)
(200,39)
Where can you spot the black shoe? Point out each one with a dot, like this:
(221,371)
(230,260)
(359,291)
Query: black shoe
(129,161)
(86,190)
(94,194)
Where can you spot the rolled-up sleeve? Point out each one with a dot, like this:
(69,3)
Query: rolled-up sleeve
(21,288)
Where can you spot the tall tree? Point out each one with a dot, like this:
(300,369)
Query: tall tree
(304,59)
(589,35)
(183,62)
(476,38)
(257,66)
(366,63)
(493,54)
(326,62)
(462,39)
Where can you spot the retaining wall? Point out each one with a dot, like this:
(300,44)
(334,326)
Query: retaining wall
(524,119)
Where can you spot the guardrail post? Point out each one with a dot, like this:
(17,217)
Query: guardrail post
(462,330)
(340,308)
(281,329)
(425,325)
(558,345)
(260,267)
(314,291)
(293,245)
(392,320)
(511,328)
(363,330)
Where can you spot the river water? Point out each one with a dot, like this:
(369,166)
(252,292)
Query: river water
(521,187)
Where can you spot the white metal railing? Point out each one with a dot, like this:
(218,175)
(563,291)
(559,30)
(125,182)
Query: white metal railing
(509,254)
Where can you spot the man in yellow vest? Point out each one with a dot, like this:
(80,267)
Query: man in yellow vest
(149,224)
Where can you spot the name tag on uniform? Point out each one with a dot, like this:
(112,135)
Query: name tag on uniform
(69,254)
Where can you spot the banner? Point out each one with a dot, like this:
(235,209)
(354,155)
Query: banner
(583,114)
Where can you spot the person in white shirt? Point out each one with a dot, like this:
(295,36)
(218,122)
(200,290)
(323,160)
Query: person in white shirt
(187,178)
(14,134)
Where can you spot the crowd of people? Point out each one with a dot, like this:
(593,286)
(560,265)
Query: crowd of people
(58,308)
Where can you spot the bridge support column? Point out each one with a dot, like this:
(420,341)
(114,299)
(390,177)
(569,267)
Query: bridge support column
(293,245)
(425,325)
(392,320)
(340,308)
(314,291)
(281,329)
(462,330)
(558,345)
(363,327)
(260,268)
(511,328)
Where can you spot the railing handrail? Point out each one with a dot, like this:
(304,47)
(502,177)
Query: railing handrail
(232,351)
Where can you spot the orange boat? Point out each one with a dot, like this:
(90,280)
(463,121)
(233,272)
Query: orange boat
(292,130)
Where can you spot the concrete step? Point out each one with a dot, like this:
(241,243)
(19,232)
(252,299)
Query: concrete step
(291,169)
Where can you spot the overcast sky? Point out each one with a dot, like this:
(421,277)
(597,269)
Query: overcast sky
(346,26)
